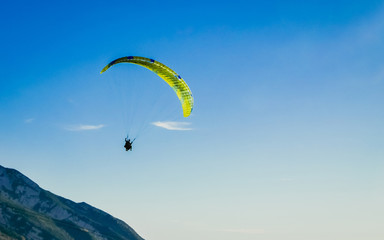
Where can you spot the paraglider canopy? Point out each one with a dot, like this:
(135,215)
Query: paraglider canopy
(167,74)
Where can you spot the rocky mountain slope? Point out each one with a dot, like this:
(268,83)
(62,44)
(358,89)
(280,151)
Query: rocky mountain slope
(30,212)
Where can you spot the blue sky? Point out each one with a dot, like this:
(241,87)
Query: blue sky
(287,139)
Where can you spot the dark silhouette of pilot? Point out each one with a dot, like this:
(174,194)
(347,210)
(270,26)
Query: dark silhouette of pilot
(128,144)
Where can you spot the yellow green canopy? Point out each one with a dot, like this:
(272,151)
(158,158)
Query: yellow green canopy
(168,75)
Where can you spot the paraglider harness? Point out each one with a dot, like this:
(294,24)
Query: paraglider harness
(128,144)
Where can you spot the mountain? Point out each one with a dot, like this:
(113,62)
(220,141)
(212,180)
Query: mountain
(30,212)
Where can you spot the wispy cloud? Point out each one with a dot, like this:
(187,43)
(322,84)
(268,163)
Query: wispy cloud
(70,100)
(175,126)
(29,120)
(243,231)
(82,127)
(286,179)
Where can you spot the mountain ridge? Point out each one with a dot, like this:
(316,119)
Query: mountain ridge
(30,212)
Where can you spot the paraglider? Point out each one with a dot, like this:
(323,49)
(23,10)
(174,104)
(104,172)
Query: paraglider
(168,75)
(128,144)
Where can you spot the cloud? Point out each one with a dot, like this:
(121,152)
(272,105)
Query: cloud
(286,179)
(81,127)
(176,126)
(243,231)
(29,120)
(70,100)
